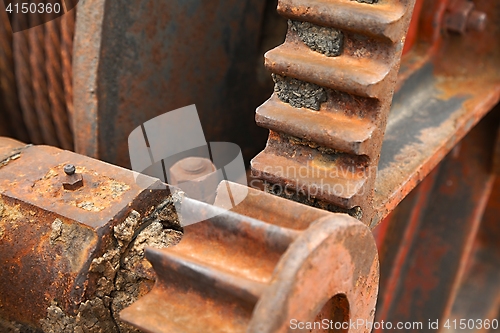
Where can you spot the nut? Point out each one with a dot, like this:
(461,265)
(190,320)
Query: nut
(73,180)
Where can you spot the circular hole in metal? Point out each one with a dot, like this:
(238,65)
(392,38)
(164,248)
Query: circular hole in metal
(334,316)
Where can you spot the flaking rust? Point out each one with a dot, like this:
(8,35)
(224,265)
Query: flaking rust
(325,40)
(72,259)
(298,93)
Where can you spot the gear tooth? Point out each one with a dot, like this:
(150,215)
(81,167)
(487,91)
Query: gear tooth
(335,76)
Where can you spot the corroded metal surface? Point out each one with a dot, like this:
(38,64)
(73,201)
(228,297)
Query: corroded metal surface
(8,149)
(33,63)
(53,65)
(262,264)
(55,242)
(21,53)
(257,267)
(67,37)
(335,146)
(426,249)
(483,271)
(496,154)
(11,116)
(37,59)
(462,17)
(436,107)
(135,61)
(196,176)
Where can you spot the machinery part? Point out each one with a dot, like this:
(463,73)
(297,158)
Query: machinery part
(436,107)
(411,36)
(46,85)
(69,169)
(258,268)
(462,17)
(37,58)
(67,36)
(73,180)
(7,78)
(21,52)
(72,259)
(9,149)
(197,171)
(138,56)
(432,225)
(482,270)
(438,104)
(84,249)
(53,64)
(338,139)
(32,77)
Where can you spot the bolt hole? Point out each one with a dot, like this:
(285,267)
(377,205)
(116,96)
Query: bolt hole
(336,311)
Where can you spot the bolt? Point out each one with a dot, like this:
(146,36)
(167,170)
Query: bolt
(194,165)
(69,169)
(195,176)
(462,17)
(476,21)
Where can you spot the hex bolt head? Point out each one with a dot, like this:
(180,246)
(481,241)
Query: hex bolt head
(69,169)
(190,169)
(196,176)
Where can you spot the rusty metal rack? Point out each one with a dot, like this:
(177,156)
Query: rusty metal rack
(380,199)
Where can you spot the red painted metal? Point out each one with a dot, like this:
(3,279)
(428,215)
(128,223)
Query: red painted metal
(413,30)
